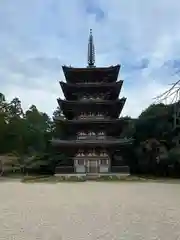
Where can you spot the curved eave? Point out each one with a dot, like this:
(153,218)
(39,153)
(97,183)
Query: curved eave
(103,143)
(70,108)
(113,127)
(73,89)
(90,85)
(71,72)
(86,103)
(76,105)
(91,121)
(67,69)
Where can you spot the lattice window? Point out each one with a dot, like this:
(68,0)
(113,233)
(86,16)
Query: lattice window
(104,161)
(81,135)
(80,161)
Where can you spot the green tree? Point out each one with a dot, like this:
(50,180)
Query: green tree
(39,128)
(15,118)
(3,123)
(154,122)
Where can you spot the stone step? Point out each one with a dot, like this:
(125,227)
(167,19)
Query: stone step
(92,176)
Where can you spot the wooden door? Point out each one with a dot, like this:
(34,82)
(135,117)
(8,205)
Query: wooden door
(92,166)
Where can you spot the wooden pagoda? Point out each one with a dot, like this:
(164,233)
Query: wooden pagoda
(90,123)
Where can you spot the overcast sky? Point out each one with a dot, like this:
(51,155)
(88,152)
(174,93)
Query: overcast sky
(38,36)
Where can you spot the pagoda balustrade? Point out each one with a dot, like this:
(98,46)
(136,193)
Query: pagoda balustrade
(92,154)
(92,115)
(90,135)
(95,138)
(105,138)
(88,116)
(92,98)
(89,82)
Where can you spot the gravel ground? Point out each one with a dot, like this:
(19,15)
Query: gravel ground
(90,210)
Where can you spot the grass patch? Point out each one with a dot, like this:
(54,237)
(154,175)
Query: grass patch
(12,176)
(70,178)
(52,179)
(67,178)
(115,178)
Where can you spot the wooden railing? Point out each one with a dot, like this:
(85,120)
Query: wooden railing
(90,137)
(92,118)
(107,140)
(92,99)
(91,157)
(86,118)
(98,83)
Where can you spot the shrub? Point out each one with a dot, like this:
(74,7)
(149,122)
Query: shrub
(174,155)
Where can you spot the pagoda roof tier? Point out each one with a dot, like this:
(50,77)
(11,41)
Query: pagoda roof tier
(112,126)
(71,91)
(111,142)
(91,74)
(92,120)
(70,109)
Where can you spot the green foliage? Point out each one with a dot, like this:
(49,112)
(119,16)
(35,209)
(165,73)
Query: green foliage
(57,112)
(9,164)
(154,122)
(154,110)
(129,128)
(174,156)
(53,179)
(38,164)
(114,178)
(27,134)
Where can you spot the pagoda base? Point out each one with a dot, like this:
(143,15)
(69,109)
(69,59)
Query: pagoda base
(97,177)
(66,170)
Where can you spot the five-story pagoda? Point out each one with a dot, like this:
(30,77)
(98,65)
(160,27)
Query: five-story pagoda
(90,123)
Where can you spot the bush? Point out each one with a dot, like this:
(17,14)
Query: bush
(174,155)
(9,164)
(174,162)
(53,179)
(38,164)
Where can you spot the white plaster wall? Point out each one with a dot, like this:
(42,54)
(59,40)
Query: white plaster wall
(103,169)
(80,168)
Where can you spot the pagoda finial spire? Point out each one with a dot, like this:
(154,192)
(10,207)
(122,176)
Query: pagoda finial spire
(91,51)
